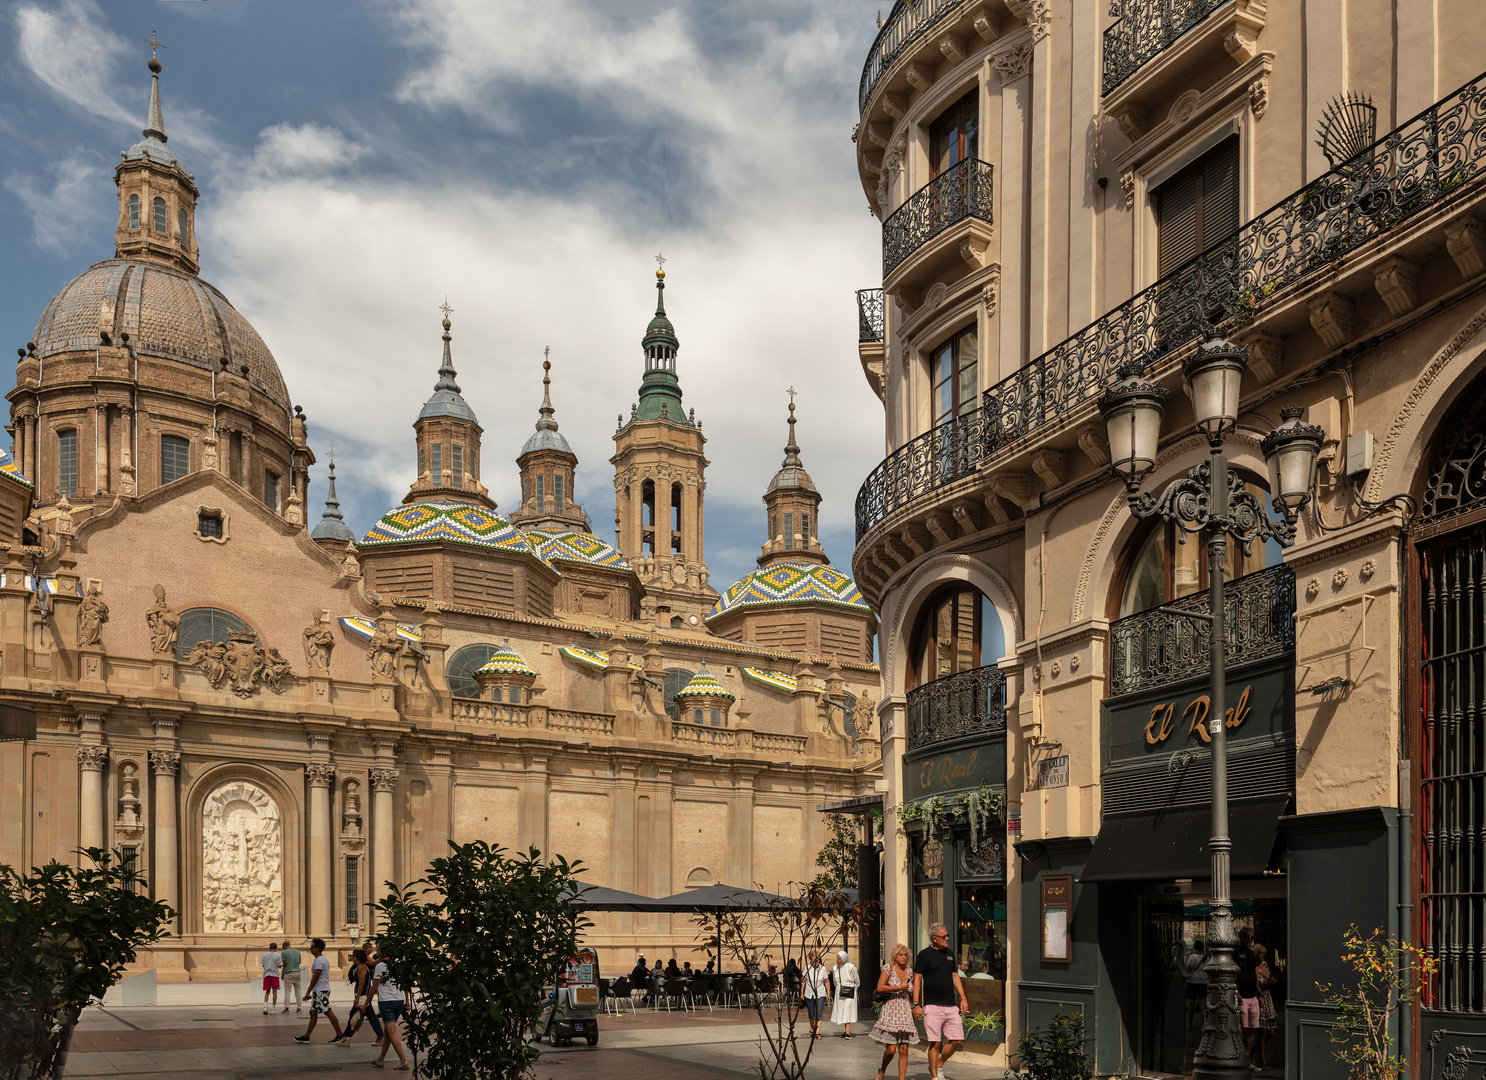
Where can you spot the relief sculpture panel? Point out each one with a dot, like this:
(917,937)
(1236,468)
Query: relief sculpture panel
(242,879)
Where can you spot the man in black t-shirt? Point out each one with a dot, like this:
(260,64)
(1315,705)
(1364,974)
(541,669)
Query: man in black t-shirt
(1248,987)
(939,997)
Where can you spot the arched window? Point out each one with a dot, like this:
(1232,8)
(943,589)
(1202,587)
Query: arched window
(185,233)
(460,671)
(1163,569)
(206,624)
(161,219)
(134,211)
(67,462)
(958,630)
(175,458)
(676,680)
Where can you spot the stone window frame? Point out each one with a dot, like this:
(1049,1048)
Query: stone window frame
(944,313)
(221,515)
(134,218)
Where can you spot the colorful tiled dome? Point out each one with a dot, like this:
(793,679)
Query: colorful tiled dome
(576,547)
(506,661)
(703,685)
(8,468)
(449,522)
(790,583)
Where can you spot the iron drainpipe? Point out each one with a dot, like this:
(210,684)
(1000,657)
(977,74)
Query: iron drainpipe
(1405,814)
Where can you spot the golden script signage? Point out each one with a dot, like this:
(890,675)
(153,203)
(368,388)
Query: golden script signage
(963,770)
(1260,705)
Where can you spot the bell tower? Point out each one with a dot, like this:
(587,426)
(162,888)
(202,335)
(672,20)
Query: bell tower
(157,196)
(659,484)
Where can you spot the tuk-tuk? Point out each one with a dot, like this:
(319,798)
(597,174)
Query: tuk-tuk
(572,1007)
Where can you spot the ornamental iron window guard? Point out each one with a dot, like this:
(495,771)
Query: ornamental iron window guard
(1432,158)
(1145,30)
(906,24)
(962,191)
(970,703)
(1159,647)
(870,325)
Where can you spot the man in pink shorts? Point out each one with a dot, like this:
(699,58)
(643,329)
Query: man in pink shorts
(939,997)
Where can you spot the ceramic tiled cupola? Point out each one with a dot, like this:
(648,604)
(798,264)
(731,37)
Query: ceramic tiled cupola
(505,677)
(704,700)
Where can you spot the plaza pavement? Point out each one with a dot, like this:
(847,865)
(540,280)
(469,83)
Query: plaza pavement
(217,1031)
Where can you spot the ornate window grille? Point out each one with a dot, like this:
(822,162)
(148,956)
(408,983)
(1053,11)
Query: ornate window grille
(1158,647)
(962,191)
(1434,157)
(869,315)
(1146,29)
(970,703)
(906,23)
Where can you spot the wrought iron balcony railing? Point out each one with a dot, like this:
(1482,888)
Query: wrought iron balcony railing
(959,192)
(1146,29)
(1159,647)
(869,315)
(970,703)
(1434,157)
(906,23)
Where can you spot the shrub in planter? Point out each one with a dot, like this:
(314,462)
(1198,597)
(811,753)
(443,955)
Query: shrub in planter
(1055,1052)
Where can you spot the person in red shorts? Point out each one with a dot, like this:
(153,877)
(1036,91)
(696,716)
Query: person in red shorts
(271,962)
(939,997)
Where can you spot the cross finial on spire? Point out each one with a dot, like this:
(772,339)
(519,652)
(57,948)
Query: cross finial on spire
(791,392)
(154,43)
(445,308)
(660,260)
(332,457)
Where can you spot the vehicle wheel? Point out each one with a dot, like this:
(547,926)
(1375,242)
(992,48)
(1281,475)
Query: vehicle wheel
(553,1038)
(593,1040)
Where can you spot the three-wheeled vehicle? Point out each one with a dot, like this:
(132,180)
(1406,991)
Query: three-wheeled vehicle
(572,1007)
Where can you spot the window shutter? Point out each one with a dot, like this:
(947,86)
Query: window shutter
(1176,221)
(1220,192)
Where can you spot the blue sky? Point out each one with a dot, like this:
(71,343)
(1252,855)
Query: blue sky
(359,161)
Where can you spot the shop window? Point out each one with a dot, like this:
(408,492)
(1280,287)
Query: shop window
(927,858)
(207,624)
(161,218)
(175,458)
(460,671)
(953,382)
(676,680)
(954,136)
(134,211)
(1163,570)
(67,462)
(957,631)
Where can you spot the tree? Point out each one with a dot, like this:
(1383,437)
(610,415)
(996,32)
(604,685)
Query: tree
(475,946)
(66,935)
(1385,983)
(838,858)
(788,927)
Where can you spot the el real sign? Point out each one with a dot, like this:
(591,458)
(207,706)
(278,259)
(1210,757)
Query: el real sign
(961,770)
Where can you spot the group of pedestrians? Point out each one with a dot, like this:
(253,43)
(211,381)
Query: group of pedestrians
(376,999)
(1256,981)
(932,992)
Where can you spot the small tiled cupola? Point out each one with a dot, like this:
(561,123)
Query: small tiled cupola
(505,677)
(704,700)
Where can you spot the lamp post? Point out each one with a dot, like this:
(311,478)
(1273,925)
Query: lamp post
(1211,502)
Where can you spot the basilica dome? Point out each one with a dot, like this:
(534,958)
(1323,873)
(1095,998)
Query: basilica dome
(789,583)
(166,312)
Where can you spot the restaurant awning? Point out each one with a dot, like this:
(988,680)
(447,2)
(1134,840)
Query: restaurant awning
(598,898)
(1164,845)
(715,898)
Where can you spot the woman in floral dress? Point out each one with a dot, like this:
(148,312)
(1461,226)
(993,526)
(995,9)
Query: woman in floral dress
(895,1028)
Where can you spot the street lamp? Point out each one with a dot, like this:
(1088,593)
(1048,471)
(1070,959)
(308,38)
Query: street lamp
(1211,502)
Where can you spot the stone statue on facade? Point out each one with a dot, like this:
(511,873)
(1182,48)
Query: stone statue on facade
(164,624)
(92,613)
(318,642)
(383,651)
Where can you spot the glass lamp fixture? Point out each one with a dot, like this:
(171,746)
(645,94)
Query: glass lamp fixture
(1291,451)
(1214,373)
(1132,413)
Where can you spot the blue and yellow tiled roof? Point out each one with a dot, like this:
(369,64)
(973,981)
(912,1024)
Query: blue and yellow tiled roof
(506,661)
(592,658)
(446,521)
(790,583)
(8,468)
(576,547)
(703,685)
(774,680)
(364,628)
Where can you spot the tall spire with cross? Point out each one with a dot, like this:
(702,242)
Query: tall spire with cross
(448,436)
(154,127)
(332,527)
(792,503)
(548,470)
(157,196)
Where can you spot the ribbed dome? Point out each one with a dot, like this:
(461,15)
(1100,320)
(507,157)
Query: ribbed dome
(546,439)
(166,313)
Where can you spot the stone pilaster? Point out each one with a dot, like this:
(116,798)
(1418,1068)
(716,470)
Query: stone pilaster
(383,781)
(92,759)
(320,776)
(166,880)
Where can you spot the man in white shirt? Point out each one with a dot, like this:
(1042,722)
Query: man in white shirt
(271,962)
(319,992)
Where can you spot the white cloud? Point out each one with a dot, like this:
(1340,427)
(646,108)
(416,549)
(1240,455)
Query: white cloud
(66,46)
(68,211)
(306,150)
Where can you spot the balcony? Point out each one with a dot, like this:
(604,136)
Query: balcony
(961,193)
(907,23)
(970,703)
(1159,647)
(869,316)
(1147,28)
(1431,160)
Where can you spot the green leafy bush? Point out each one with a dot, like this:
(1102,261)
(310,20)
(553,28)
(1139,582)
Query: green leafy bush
(475,946)
(66,935)
(1364,1012)
(1055,1052)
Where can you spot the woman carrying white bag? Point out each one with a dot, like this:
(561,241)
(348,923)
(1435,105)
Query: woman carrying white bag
(848,982)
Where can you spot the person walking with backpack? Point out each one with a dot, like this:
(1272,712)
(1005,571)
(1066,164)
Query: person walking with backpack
(319,992)
(363,1005)
(848,980)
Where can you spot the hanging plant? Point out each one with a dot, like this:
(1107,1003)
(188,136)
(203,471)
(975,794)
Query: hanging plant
(983,808)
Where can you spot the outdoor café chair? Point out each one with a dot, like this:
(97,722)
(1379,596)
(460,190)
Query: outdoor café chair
(675,990)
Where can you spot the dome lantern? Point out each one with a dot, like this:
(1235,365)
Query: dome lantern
(548,471)
(505,677)
(157,196)
(448,438)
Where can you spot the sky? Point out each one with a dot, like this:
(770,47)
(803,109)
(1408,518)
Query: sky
(359,163)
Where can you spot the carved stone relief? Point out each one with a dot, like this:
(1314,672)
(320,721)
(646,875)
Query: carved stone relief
(319,642)
(240,662)
(242,887)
